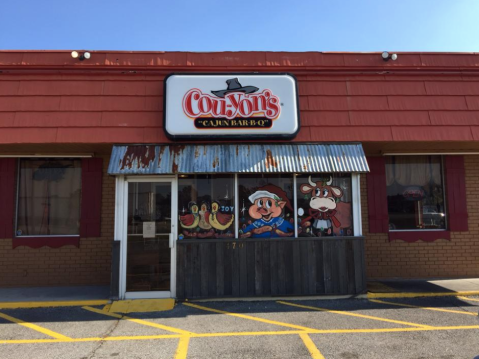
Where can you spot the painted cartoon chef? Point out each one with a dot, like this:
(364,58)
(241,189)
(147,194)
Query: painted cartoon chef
(268,203)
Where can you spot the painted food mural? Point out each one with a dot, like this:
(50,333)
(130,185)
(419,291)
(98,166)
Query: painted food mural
(324,205)
(266,209)
(206,206)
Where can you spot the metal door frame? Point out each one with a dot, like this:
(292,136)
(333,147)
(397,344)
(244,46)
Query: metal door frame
(122,228)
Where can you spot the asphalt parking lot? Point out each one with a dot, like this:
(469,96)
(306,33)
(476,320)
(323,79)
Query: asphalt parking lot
(435,327)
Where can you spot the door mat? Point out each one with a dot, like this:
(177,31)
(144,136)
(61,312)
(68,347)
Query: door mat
(141,305)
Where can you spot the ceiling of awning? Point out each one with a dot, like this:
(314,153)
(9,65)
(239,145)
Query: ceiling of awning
(238,158)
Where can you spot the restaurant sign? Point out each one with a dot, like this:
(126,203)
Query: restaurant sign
(242,106)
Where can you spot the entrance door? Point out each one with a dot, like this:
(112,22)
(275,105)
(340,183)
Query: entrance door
(150,238)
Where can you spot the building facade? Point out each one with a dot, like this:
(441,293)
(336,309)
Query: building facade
(336,167)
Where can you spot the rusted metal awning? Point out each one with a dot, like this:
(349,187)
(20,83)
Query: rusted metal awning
(252,158)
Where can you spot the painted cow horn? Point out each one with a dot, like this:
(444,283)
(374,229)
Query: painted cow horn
(311,182)
(330,181)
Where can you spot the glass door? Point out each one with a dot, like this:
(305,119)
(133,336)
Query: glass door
(150,239)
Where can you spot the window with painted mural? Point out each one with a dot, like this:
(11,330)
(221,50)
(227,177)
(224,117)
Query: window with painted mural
(324,205)
(206,206)
(415,192)
(266,206)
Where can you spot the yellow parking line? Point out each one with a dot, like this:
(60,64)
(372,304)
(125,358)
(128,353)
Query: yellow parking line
(466,298)
(139,321)
(312,348)
(35,327)
(182,349)
(426,308)
(337,331)
(233,334)
(73,303)
(355,315)
(244,316)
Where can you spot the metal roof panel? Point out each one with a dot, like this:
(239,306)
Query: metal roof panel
(237,158)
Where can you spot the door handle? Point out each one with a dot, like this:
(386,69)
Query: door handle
(171,240)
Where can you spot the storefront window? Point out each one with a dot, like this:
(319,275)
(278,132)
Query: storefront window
(206,206)
(49,195)
(266,206)
(415,192)
(324,205)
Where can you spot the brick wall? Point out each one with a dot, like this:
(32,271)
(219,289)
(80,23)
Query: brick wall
(69,265)
(90,264)
(458,257)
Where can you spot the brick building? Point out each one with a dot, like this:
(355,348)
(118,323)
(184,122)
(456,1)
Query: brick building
(84,177)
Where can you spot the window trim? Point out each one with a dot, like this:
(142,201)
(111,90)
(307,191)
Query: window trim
(422,235)
(49,241)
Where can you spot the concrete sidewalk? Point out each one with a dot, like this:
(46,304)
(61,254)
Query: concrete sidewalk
(54,294)
(424,286)
(82,293)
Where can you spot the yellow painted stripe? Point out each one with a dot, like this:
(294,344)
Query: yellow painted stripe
(142,305)
(355,315)
(233,334)
(139,321)
(182,349)
(74,303)
(335,331)
(312,348)
(426,308)
(414,295)
(473,299)
(244,316)
(35,327)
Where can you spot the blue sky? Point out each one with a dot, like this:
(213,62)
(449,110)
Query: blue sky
(233,25)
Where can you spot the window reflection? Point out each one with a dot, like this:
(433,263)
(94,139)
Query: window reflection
(415,192)
(49,195)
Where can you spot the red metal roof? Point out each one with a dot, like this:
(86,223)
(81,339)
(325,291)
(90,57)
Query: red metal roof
(116,97)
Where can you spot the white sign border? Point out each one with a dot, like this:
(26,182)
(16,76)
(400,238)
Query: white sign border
(241,137)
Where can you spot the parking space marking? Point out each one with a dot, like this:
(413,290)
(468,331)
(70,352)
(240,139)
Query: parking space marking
(467,298)
(426,308)
(312,348)
(139,321)
(34,327)
(244,316)
(182,349)
(205,335)
(355,315)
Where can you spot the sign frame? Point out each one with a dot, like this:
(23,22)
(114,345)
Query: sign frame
(242,137)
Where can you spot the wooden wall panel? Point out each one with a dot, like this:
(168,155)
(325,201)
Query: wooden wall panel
(273,267)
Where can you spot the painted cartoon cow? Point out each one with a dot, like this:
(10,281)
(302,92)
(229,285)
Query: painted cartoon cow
(323,203)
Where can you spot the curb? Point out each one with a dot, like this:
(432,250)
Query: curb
(423,294)
(73,303)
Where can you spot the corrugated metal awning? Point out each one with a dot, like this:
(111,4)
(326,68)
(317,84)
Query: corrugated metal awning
(252,158)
